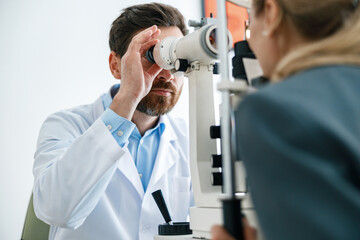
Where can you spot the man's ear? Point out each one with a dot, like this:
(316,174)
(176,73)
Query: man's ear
(115,65)
(273,16)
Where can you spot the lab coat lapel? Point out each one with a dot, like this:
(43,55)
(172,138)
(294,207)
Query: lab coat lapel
(128,168)
(167,154)
(126,165)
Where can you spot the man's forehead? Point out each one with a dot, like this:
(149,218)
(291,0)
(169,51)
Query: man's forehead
(166,31)
(170,31)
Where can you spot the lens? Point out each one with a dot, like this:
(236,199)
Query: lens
(149,54)
(212,38)
(209,40)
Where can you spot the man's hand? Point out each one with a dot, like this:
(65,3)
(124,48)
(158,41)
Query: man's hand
(136,77)
(219,232)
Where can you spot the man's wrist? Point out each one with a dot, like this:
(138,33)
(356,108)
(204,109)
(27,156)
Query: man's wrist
(124,105)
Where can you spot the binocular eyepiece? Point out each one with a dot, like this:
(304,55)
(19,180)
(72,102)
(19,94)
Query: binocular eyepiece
(175,53)
(150,55)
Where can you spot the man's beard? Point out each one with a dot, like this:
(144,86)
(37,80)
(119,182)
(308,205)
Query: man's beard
(155,105)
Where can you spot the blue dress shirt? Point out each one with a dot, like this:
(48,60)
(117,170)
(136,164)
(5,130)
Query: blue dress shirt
(143,149)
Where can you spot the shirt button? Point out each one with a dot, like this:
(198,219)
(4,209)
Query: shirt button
(109,127)
(141,141)
(140,175)
(120,133)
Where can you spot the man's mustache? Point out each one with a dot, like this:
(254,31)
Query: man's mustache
(164,85)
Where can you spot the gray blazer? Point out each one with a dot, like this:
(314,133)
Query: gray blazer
(300,142)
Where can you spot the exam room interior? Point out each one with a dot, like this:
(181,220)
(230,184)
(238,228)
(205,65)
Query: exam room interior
(53,56)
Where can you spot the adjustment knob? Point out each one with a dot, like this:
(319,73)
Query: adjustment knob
(181,65)
(216,69)
(216,161)
(216,178)
(215,132)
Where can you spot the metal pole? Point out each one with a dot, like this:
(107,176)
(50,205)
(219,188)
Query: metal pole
(231,206)
(222,42)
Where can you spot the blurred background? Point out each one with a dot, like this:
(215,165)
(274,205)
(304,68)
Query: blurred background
(53,56)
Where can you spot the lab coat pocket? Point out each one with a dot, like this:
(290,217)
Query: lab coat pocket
(182,196)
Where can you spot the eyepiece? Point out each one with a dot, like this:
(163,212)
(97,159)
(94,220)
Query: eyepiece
(150,55)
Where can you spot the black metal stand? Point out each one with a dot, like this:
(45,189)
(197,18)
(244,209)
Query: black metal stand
(233,217)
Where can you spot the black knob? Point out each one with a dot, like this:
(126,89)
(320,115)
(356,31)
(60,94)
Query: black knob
(216,161)
(216,178)
(181,65)
(216,69)
(160,202)
(215,132)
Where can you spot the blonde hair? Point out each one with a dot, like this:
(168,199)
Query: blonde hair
(333,28)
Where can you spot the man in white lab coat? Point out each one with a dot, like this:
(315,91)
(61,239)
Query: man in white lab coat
(96,165)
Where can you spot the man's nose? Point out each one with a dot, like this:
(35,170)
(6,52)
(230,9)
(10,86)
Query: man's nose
(165,75)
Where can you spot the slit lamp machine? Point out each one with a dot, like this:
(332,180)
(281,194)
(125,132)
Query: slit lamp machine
(218,177)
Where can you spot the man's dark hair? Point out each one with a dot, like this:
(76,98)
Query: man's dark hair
(139,17)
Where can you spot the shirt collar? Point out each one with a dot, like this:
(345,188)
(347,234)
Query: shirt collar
(107,99)
(160,127)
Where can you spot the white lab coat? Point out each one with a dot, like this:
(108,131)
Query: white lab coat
(87,186)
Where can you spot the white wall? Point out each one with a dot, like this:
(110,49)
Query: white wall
(53,55)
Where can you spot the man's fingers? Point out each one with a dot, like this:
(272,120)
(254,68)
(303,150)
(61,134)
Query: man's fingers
(156,34)
(139,39)
(152,28)
(147,45)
